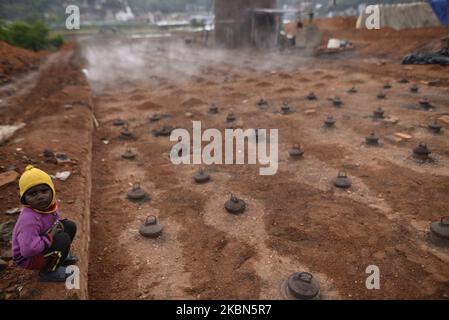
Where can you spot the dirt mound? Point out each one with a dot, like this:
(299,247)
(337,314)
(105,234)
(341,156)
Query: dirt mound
(198,79)
(238,95)
(285,75)
(179,92)
(285,90)
(356,81)
(15,60)
(264,84)
(193,102)
(137,97)
(149,105)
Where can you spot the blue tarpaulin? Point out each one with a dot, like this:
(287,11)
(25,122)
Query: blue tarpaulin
(441,7)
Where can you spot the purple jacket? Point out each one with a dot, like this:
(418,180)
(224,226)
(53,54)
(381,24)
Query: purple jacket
(29,238)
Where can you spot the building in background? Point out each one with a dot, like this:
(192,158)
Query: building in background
(268,27)
(232,20)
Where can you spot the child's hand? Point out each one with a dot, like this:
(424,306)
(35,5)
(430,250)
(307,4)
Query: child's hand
(54,231)
(59,226)
(55,228)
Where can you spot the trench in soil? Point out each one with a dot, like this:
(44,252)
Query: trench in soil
(295,220)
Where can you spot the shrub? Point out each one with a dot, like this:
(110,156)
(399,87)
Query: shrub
(56,42)
(33,36)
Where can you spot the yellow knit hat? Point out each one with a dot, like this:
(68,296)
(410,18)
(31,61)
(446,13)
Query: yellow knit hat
(33,177)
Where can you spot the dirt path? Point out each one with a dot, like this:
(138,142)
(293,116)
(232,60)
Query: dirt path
(54,103)
(295,220)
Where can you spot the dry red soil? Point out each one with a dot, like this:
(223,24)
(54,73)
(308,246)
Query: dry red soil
(295,220)
(15,60)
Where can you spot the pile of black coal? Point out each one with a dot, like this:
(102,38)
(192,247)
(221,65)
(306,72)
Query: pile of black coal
(285,108)
(336,101)
(129,154)
(381,95)
(422,152)
(342,180)
(329,121)
(213,109)
(137,193)
(118,122)
(151,228)
(155,117)
(201,176)
(311,96)
(126,134)
(230,117)
(263,104)
(378,113)
(425,103)
(433,82)
(434,126)
(235,205)
(49,156)
(441,58)
(164,131)
(296,151)
(387,85)
(352,90)
(439,232)
(300,286)
(372,139)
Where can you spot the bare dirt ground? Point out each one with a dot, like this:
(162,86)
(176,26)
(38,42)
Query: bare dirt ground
(15,60)
(296,220)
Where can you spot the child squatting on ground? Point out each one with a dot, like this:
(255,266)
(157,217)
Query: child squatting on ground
(41,240)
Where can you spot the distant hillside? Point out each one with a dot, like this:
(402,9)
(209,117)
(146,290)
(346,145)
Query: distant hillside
(51,10)
(54,10)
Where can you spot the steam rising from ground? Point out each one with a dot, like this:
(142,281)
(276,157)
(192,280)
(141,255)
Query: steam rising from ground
(109,62)
(119,60)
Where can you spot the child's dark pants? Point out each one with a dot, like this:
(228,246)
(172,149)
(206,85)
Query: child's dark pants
(56,254)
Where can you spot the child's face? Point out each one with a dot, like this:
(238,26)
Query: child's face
(39,197)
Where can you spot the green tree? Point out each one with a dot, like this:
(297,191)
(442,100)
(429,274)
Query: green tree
(31,36)
(56,41)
